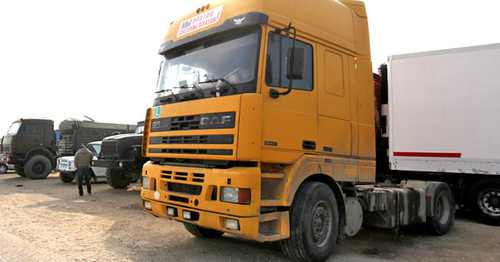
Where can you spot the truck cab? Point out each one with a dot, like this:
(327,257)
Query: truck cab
(122,158)
(263,127)
(30,145)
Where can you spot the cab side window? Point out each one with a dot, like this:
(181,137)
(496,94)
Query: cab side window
(30,129)
(277,51)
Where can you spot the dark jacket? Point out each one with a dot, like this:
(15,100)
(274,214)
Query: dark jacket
(83,158)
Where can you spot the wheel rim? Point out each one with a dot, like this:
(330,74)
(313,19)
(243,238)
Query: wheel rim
(443,209)
(321,226)
(38,168)
(489,202)
(3,169)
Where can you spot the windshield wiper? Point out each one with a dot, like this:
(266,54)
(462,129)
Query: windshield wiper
(219,81)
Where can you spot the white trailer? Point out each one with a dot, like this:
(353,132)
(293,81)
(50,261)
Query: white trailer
(443,121)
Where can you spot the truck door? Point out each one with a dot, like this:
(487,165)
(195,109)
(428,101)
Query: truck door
(289,121)
(29,137)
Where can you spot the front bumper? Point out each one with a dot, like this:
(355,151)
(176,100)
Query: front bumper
(263,228)
(174,191)
(114,164)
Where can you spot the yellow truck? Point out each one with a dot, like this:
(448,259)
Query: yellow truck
(263,127)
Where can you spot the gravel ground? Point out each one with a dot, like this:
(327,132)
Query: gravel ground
(46,220)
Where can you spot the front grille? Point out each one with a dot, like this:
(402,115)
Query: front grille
(185,189)
(219,152)
(175,178)
(108,148)
(208,140)
(194,122)
(183,176)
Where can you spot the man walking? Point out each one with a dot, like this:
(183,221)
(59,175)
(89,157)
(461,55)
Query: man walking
(83,158)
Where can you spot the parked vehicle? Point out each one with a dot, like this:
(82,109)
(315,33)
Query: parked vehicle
(30,145)
(76,132)
(67,169)
(3,167)
(268,131)
(121,156)
(439,114)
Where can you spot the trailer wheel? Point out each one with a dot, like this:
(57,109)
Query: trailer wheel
(444,216)
(3,169)
(117,178)
(38,167)
(19,170)
(202,232)
(314,223)
(66,177)
(486,197)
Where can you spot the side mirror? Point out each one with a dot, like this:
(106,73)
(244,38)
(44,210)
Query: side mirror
(296,63)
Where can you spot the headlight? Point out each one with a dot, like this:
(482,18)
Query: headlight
(147,205)
(235,195)
(232,224)
(145,182)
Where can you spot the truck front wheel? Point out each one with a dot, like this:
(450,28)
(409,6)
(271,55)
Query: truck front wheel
(202,232)
(117,178)
(38,167)
(314,223)
(66,177)
(486,197)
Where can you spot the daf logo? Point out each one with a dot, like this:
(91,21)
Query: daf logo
(215,120)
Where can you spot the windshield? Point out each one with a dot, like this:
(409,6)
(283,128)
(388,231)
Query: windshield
(139,129)
(224,63)
(14,128)
(94,148)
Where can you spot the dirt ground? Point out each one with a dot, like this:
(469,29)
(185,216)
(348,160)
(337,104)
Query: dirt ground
(46,220)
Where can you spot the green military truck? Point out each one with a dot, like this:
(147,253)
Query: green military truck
(77,132)
(121,156)
(30,145)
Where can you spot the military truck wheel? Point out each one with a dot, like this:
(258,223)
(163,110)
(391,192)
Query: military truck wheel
(3,169)
(38,167)
(202,231)
(314,223)
(66,177)
(20,170)
(444,216)
(486,197)
(117,178)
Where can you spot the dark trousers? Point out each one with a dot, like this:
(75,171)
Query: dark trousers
(84,172)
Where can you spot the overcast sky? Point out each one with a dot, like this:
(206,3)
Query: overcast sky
(66,58)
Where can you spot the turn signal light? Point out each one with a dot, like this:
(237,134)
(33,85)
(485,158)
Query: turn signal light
(235,195)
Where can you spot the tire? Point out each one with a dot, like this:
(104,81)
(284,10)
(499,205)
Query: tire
(314,223)
(486,201)
(3,169)
(202,232)
(135,176)
(66,177)
(19,170)
(444,216)
(117,178)
(38,167)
